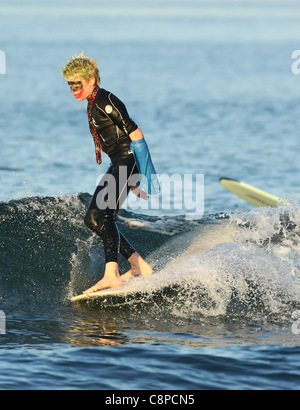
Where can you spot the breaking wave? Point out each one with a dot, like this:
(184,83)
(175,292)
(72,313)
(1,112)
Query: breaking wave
(244,264)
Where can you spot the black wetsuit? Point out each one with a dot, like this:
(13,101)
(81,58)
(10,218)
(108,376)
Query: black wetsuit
(113,125)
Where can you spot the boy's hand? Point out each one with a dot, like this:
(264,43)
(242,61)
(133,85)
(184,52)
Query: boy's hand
(139,193)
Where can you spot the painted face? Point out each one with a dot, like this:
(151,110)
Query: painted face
(82,89)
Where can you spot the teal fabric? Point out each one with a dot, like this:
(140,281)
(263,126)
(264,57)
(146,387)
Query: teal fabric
(145,165)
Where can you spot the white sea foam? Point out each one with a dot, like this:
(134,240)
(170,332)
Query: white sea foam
(247,264)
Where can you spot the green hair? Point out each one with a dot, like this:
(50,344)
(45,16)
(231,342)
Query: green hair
(83,67)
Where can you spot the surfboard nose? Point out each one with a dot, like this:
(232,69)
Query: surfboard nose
(250,194)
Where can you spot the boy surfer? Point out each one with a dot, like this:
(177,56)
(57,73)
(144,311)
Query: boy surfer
(116,134)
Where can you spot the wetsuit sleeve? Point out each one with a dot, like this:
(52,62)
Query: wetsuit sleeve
(117,112)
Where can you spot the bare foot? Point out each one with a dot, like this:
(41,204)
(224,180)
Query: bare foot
(104,284)
(110,280)
(139,267)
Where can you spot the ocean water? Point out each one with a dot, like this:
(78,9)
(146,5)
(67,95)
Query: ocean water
(211,85)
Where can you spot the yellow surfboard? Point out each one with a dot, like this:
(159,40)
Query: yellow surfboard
(102,294)
(251,194)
